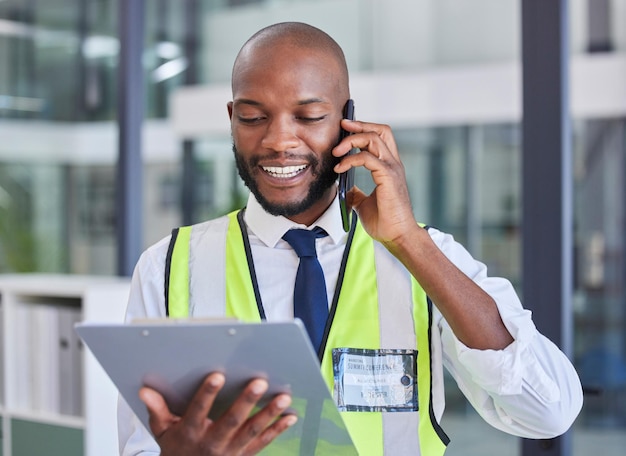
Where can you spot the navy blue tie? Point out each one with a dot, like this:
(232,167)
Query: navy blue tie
(310,303)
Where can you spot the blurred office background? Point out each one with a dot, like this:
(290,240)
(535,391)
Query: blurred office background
(444,73)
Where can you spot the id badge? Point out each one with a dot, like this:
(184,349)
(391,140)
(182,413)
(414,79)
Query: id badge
(375,380)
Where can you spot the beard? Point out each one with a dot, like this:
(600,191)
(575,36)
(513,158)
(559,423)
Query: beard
(322,170)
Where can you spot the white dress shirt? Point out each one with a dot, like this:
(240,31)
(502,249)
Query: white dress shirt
(529,389)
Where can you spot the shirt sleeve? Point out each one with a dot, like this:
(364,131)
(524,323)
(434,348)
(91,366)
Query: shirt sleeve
(530,388)
(146,300)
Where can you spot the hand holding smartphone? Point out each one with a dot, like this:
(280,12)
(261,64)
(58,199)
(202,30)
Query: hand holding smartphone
(346,180)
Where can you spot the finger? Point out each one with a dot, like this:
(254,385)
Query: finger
(257,424)
(198,409)
(231,421)
(160,416)
(381,131)
(367,143)
(373,162)
(270,433)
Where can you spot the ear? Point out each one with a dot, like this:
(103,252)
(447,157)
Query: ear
(229,106)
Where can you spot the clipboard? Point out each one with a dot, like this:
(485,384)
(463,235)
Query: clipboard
(174,356)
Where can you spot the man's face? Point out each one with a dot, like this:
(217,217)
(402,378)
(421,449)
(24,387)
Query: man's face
(285,114)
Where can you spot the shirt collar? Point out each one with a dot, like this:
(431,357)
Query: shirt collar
(270,228)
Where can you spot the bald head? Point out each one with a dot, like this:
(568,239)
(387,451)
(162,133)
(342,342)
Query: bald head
(264,44)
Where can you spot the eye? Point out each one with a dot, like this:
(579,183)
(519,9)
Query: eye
(311,119)
(250,120)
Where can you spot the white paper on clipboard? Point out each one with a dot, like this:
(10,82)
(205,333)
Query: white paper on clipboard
(174,356)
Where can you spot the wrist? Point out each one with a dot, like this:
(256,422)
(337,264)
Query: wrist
(411,239)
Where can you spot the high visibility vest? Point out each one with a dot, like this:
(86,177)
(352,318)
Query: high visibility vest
(355,323)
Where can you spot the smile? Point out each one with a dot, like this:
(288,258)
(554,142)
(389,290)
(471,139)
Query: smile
(284,172)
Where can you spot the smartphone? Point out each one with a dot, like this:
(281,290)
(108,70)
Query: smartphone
(346,180)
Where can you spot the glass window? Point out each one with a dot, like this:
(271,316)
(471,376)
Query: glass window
(600,270)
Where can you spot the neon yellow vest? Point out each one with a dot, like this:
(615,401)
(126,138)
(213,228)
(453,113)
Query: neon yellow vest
(355,323)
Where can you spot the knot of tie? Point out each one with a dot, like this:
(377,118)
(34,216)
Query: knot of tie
(303,241)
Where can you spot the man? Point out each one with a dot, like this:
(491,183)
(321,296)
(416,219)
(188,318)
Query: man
(290,85)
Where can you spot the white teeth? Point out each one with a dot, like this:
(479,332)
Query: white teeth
(284,171)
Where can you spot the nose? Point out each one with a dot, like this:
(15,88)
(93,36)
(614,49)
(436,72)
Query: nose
(280,135)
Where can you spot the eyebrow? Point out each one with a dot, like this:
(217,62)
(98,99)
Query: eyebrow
(312,101)
(246,101)
(307,101)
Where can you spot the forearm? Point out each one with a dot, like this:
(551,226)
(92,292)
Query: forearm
(471,313)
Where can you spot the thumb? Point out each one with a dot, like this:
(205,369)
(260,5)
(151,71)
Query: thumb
(161,419)
(364,205)
(355,197)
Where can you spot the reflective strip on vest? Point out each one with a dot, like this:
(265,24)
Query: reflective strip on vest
(373,280)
